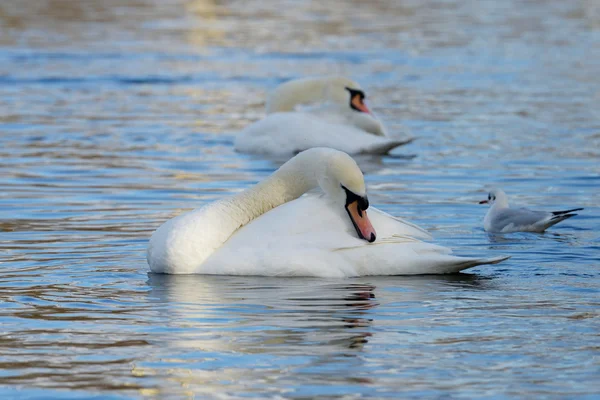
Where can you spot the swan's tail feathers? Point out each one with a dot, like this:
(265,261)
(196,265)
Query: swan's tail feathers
(454,264)
(386,147)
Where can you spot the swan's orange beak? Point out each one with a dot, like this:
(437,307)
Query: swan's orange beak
(483,202)
(361,222)
(359,104)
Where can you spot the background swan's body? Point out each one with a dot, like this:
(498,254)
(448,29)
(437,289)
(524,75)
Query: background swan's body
(292,132)
(268,230)
(317,112)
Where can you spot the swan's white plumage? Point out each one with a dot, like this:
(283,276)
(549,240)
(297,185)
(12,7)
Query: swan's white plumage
(268,230)
(309,237)
(297,93)
(315,112)
(292,132)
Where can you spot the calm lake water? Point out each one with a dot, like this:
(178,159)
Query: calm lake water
(117,115)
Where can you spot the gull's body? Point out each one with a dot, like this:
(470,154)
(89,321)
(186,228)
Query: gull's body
(317,112)
(270,230)
(501,218)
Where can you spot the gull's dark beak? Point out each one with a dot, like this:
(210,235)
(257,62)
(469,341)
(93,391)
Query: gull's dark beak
(483,202)
(356,206)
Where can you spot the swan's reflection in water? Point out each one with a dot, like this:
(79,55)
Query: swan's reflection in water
(258,315)
(283,315)
(228,333)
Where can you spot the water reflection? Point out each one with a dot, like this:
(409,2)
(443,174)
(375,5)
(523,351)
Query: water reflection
(226,330)
(302,312)
(522,237)
(315,313)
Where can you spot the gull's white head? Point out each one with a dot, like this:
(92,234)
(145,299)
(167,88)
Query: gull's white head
(329,93)
(496,197)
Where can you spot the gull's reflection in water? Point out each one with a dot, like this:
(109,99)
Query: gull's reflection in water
(527,242)
(264,315)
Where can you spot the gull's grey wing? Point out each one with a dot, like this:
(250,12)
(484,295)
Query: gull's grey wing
(519,218)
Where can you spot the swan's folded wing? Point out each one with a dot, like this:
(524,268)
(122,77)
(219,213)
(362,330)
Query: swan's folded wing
(418,258)
(309,237)
(387,225)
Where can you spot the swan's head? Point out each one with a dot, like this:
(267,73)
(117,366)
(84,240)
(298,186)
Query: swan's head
(334,93)
(343,181)
(346,93)
(496,196)
(349,99)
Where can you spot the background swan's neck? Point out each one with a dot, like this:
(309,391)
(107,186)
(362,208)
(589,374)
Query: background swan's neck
(310,91)
(291,94)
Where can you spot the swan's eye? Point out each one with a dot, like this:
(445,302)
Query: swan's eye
(356,92)
(363,203)
(489,196)
(494,198)
(351,197)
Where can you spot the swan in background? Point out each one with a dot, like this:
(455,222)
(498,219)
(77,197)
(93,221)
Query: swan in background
(503,219)
(270,230)
(317,112)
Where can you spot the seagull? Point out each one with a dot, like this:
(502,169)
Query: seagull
(503,219)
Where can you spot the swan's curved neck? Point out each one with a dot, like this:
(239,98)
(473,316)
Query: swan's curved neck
(293,93)
(289,182)
(183,244)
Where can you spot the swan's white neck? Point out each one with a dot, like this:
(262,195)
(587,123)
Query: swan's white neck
(183,243)
(289,182)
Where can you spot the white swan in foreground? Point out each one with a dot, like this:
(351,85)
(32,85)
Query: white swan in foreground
(270,230)
(501,218)
(314,112)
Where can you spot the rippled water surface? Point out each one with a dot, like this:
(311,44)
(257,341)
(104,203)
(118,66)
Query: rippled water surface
(117,115)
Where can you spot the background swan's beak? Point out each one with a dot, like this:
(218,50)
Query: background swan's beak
(361,222)
(358,103)
(483,202)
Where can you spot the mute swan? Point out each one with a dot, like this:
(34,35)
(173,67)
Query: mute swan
(314,112)
(501,218)
(270,230)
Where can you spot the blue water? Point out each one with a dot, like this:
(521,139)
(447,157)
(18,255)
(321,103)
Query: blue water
(117,115)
